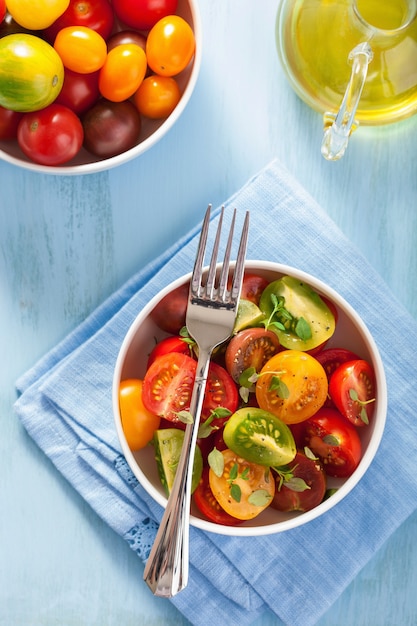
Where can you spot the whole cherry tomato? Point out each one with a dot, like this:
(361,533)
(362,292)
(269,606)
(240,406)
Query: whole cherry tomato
(157,96)
(95,14)
(126,36)
(170,46)
(143,14)
(79,91)
(122,73)
(138,424)
(352,389)
(81,49)
(111,128)
(51,136)
(2,9)
(9,121)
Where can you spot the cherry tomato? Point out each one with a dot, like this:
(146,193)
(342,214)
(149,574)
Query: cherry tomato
(170,46)
(95,14)
(2,9)
(122,73)
(243,489)
(157,96)
(252,287)
(79,91)
(330,359)
(304,489)
(260,437)
(221,391)
(81,49)
(36,14)
(9,121)
(334,440)
(126,36)
(111,128)
(168,384)
(143,14)
(167,345)
(169,314)
(352,389)
(299,316)
(168,444)
(292,385)
(250,348)
(139,424)
(208,505)
(51,136)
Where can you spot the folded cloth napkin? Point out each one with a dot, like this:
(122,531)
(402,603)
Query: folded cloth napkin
(65,405)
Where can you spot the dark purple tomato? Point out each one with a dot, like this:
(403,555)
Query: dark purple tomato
(126,36)
(111,128)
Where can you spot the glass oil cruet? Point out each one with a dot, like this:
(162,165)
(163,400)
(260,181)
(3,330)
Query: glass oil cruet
(354,61)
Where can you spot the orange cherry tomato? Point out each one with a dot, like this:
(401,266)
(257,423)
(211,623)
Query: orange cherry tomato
(122,73)
(157,96)
(81,49)
(138,423)
(170,46)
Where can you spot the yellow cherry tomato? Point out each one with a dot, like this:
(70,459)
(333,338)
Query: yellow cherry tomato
(243,489)
(157,96)
(138,423)
(81,49)
(36,14)
(170,45)
(122,73)
(292,385)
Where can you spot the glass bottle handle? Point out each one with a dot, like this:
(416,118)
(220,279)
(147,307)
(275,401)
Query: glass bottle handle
(338,127)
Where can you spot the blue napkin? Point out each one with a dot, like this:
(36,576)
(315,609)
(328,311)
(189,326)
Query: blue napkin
(65,405)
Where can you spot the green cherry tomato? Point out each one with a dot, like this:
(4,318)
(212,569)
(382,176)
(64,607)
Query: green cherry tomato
(259,437)
(168,444)
(299,316)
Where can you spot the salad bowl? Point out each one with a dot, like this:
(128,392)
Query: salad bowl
(350,333)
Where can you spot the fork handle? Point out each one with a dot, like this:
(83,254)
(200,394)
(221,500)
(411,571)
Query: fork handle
(166,571)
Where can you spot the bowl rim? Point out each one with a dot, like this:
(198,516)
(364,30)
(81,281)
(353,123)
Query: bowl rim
(349,484)
(143,146)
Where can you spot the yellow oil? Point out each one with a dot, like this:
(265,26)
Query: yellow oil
(315,37)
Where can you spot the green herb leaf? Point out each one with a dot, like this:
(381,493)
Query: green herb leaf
(302,329)
(331,440)
(260,497)
(185,417)
(216,462)
(234,471)
(235,492)
(297,484)
(280,387)
(310,454)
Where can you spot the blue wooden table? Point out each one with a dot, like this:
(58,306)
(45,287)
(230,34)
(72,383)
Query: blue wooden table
(68,242)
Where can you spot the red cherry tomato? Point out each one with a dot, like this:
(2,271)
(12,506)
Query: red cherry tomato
(95,14)
(51,136)
(2,9)
(169,314)
(352,389)
(221,391)
(9,121)
(79,91)
(252,287)
(333,439)
(291,495)
(169,382)
(208,505)
(143,14)
(167,345)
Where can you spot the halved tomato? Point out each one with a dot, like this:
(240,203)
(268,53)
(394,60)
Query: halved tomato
(208,505)
(250,348)
(221,391)
(334,440)
(242,489)
(292,385)
(168,345)
(252,287)
(304,486)
(352,389)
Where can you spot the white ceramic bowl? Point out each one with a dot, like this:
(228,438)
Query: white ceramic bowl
(350,333)
(152,130)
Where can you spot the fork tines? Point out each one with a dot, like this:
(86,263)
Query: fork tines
(214,287)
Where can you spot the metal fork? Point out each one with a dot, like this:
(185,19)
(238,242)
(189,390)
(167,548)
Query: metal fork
(211,314)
